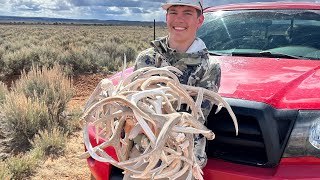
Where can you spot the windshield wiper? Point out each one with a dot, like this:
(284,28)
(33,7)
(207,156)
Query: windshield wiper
(279,55)
(267,54)
(218,54)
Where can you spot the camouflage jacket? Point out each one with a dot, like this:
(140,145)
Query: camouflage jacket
(197,70)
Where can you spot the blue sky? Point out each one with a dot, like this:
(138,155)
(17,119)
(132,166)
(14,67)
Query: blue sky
(132,10)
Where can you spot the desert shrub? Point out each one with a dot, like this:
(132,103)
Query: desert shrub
(51,86)
(126,49)
(111,48)
(79,59)
(4,172)
(22,165)
(37,154)
(23,59)
(111,66)
(24,117)
(87,49)
(37,102)
(116,39)
(74,124)
(51,142)
(16,61)
(48,55)
(109,56)
(3,92)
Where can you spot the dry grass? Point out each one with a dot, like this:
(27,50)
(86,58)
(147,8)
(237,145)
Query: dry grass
(68,166)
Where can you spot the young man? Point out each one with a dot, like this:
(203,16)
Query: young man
(183,50)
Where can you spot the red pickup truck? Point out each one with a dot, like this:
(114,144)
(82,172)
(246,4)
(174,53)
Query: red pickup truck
(270,59)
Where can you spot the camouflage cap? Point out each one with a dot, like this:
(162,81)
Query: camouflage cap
(198,4)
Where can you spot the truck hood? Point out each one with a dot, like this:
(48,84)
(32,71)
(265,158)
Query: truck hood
(281,83)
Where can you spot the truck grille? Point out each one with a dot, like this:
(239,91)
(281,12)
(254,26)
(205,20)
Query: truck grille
(263,133)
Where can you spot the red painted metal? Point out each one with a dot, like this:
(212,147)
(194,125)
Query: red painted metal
(265,5)
(302,168)
(282,83)
(117,77)
(100,170)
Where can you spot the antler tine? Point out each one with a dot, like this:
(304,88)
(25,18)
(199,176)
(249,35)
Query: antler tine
(199,101)
(206,133)
(92,151)
(103,85)
(137,112)
(127,93)
(215,97)
(156,104)
(120,100)
(134,160)
(163,135)
(172,97)
(186,97)
(187,119)
(133,86)
(161,72)
(175,98)
(157,80)
(181,172)
(170,170)
(135,74)
(113,141)
(153,93)
(188,160)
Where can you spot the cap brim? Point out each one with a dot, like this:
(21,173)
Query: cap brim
(168,5)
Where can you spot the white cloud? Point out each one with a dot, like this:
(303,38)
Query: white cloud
(143,10)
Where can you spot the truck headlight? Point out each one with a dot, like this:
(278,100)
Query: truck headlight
(314,137)
(304,139)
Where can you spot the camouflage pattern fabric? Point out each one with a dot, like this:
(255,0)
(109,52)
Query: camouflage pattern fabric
(197,71)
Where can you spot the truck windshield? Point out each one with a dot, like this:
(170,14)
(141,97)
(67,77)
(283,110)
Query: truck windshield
(294,33)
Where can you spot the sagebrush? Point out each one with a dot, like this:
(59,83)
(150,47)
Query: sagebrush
(36,102)
(86,49)
(51,142)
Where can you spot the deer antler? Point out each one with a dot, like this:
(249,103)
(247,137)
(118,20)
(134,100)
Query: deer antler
(145,105)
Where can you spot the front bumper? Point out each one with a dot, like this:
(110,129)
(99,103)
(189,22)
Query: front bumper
(304,168)
(289,168)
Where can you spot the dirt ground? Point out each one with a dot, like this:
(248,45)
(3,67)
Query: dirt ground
(69,167)
(84,85)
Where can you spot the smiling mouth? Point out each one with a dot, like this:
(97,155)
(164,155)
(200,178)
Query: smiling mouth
(179,28)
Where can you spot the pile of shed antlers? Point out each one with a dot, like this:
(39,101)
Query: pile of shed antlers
(147,102)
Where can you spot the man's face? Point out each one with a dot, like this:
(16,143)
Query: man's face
(183,22)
